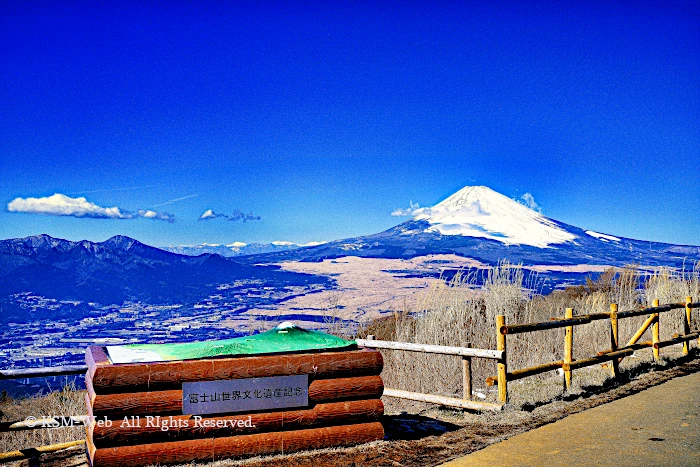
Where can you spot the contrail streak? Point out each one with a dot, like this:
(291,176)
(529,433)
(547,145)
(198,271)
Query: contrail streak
(112,189)
(175,200)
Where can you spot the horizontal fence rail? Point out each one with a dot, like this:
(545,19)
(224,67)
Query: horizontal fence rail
(43,372)
(442,400)
(525,372)
(61,421)
(34,452)
(678,339)
(425,348)
(465,352)
(585,319)
(560,323)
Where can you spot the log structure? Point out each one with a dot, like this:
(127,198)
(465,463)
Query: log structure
(135,410)
(169,402)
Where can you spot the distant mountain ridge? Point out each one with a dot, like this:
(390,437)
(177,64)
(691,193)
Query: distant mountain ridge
(120,269)
(236,248)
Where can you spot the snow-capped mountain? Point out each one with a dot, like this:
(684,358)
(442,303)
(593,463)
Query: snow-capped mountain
(478,211)
(236,248)
(480,223)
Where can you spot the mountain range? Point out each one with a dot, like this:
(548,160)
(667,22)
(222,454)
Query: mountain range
(236,248)
(475,222)
(121,269)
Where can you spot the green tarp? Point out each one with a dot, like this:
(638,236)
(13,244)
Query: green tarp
(284,338)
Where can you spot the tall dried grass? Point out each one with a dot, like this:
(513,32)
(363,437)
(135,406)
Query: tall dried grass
(460,313)
(67,402)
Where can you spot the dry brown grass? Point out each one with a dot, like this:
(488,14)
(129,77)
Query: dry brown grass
(458,313)
(68,402)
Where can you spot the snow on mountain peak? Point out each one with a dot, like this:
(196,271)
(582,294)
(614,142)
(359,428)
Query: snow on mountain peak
(478,211)
(469,195)
(601,236)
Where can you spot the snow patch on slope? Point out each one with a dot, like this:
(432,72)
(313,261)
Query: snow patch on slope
(237,248)
(602,236)
(478,211)
(313,244)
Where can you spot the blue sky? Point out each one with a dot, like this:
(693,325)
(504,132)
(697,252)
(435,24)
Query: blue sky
(321,121)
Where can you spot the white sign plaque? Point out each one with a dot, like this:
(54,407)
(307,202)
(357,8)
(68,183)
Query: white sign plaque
(245,395)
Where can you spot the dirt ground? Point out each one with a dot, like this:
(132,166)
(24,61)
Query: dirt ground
(658,426)
(436,436)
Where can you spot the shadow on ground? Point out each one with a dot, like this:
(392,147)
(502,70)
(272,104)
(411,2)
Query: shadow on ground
(412,427)
(624,377)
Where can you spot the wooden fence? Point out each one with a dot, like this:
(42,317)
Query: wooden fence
(41,423)
(466,353)
(613,355)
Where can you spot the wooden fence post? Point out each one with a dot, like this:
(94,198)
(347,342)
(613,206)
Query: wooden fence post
(568,348)
(614,338)
(467,376)
(502,369)
(686,324)
(655,332)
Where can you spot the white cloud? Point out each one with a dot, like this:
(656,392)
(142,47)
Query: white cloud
(237,215)
(147,214)
(529,201)
(412,211)
(61,205)
(210,214)
(161,216)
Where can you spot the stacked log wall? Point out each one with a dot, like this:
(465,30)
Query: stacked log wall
(135,410)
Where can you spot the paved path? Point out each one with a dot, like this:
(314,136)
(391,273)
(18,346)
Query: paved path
(659,426)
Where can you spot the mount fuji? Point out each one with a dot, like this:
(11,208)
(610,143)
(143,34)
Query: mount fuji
(479,223)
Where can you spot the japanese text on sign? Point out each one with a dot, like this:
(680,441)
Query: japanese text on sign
(247,394)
